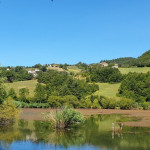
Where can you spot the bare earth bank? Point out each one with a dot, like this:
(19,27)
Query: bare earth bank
(142,115)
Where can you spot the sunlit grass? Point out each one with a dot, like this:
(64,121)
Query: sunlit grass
(108,90)
(136,69)
(30,84)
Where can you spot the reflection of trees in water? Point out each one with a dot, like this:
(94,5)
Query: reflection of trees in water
(66,138)
(96,131)
(4,146)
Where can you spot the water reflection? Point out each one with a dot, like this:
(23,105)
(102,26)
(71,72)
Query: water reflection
(98,132)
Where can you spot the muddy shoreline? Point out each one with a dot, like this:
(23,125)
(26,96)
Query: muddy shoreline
(142,115)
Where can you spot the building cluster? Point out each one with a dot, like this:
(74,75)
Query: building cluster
(34,72)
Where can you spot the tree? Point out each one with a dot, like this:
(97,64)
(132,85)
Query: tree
(23,93)
(105,74)
(8,112)
(10,75)
(40,93)
(3,93)
(136,86)
(19,68)
(44,68)
(12,93)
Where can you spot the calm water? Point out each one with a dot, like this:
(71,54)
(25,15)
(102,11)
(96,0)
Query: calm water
(95,134)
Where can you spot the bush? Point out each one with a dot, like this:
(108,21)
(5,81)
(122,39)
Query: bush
(108,103)
(8,112)
(125,103)
(146,105)
(96,104)
(65,117)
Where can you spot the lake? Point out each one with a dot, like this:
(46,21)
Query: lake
(98,132)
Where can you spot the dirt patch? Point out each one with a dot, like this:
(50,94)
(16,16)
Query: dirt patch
(142,115)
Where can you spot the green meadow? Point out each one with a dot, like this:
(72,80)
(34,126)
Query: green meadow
(108,90)
(30,84)
(136,69)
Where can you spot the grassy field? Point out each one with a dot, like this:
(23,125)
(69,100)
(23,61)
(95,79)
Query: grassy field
(108,90)
(31,84)
(74,69)
(138,70)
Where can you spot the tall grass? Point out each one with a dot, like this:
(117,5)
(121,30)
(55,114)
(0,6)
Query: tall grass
(65,117)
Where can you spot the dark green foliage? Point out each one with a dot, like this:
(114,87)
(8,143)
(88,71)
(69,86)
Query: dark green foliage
(19,68)
(81,65)
(123,62)
(12,93)
(44,68)
(10,75)
(3,93)
(61,84)
(105,74)
(144,60)
(136,86)
(40,93)
(23,75)
(23,94)
(16,74)
(37,66)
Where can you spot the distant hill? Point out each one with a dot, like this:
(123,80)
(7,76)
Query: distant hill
(123,62)
(144,60)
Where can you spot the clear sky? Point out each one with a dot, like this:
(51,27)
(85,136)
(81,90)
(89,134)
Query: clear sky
(69,31)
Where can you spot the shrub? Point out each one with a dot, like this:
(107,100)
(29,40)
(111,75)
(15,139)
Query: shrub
(96,104)
(8,112)
(12,93)
(125,103)
(65,117)
(23,93)
(146,105)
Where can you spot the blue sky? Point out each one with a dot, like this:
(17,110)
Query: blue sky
(69,31)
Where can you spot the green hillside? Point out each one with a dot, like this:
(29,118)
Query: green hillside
(135,69)
(144,60)
(108,90)
(123,62)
